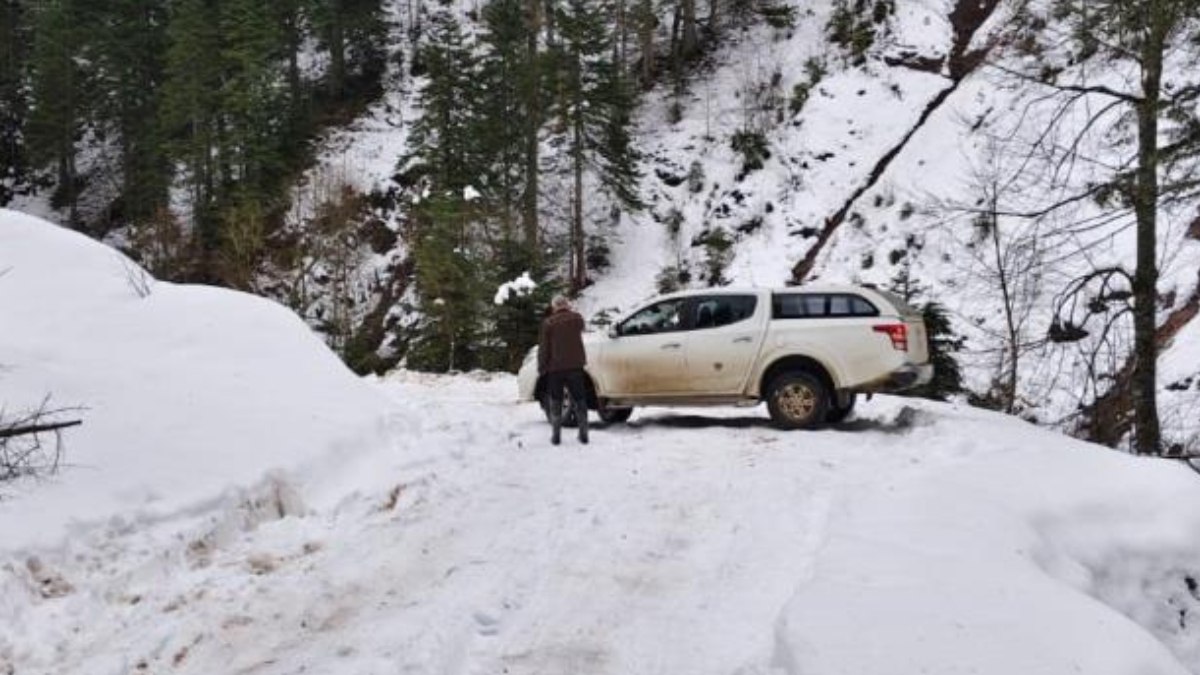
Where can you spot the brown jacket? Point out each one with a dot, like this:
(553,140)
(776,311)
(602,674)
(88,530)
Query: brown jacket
(560,342)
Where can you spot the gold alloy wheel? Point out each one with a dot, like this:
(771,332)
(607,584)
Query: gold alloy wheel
(797,400)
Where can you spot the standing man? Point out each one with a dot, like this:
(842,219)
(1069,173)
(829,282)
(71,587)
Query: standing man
(561,359)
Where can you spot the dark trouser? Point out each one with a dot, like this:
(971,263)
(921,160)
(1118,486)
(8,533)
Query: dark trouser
(573,382)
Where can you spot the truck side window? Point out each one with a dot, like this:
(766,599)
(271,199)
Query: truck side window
(661,317)
(798,306)
(721,310)
(862,307)
(815,305)
(850,305)
(839,305)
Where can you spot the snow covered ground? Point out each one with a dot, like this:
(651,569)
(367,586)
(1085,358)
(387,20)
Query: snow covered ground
(233,504)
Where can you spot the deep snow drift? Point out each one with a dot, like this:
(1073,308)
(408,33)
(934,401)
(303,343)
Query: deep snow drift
(185,390)
(233,505)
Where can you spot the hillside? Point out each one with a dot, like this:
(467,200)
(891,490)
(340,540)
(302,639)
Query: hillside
(880,173)
(214,516)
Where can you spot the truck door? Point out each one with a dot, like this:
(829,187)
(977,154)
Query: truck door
(647,355)
(727,332)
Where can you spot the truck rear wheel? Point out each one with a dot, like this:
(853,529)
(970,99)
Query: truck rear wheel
(797,400)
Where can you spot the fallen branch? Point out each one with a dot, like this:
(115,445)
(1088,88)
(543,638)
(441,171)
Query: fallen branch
(12,432)
(23,451)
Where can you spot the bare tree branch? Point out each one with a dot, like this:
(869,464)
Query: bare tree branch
(1082,90)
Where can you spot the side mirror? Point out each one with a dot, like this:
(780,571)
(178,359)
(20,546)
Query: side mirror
(614,332)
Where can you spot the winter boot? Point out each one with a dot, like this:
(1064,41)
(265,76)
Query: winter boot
(582,416)
(555,422)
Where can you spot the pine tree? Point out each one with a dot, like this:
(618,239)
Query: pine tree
(531,88)
(292,17)
(354,33)
(450,279)
(191,108)
(368,37)
(14,38)
(597,105)
(515,322)
(57,113)
(253,98)
(685,39)
(646,20)
(330,19)
(131,52)
(443,142)
(504,113)
(943,343)
(445,161)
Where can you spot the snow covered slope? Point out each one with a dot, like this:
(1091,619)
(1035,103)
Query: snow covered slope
(185,392)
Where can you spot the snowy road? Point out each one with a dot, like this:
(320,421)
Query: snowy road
(684,542)
(657,549)
(473,546)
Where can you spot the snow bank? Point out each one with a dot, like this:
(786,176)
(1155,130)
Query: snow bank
(186,391)
(992,562)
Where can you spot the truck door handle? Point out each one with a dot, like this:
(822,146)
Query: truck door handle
(672,345)
(744,338)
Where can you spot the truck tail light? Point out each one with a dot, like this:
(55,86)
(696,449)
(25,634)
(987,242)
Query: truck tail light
(897,332)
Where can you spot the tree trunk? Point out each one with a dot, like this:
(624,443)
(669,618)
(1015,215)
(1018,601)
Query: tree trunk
(622,41)
(293,39)
(551,35)
(578,266)
(533,96)
(674,49)
(646,25)
(690,38)
(337,52)
(1145,279)
(67,174)
(1014,350)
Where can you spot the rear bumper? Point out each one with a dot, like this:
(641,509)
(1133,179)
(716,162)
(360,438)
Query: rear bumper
(905,377)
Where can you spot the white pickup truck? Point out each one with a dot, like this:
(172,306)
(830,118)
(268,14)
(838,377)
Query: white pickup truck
(805,350)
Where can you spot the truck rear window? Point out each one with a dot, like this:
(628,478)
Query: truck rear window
(818,305)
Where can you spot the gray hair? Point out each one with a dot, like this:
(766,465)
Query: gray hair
(560,302)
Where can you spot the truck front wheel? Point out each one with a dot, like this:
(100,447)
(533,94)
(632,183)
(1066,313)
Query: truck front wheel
(797,400)
(611,415)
